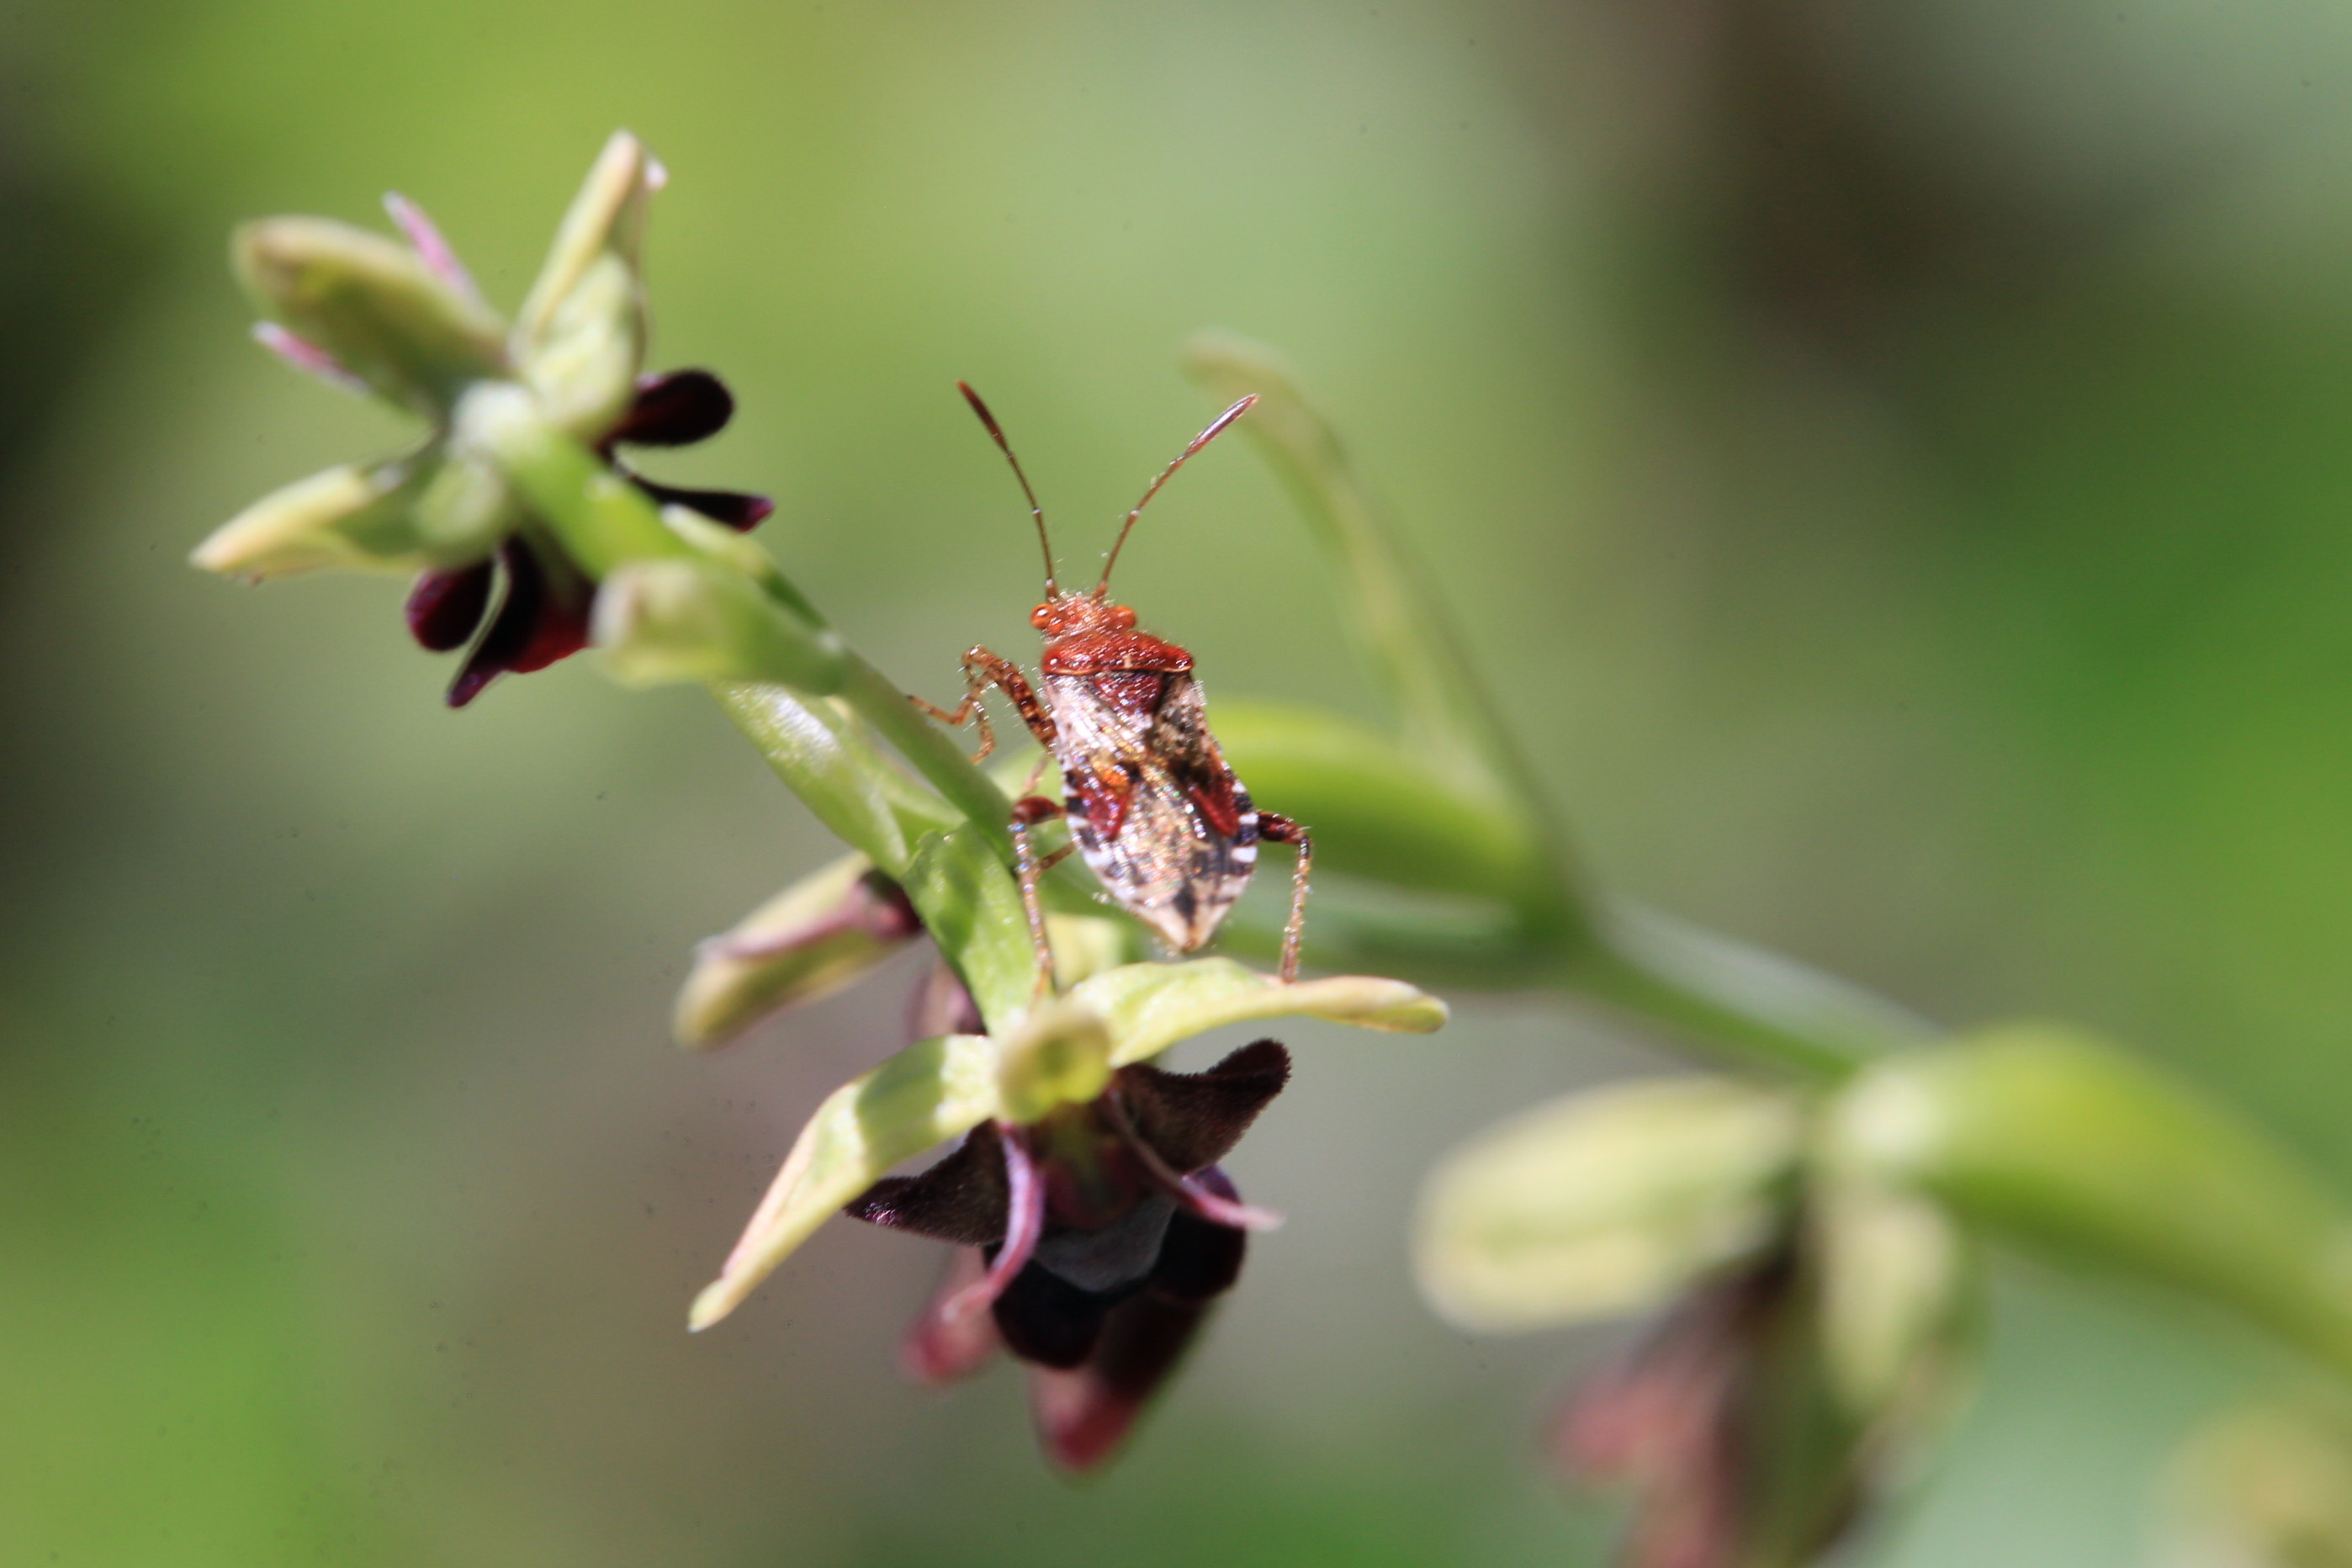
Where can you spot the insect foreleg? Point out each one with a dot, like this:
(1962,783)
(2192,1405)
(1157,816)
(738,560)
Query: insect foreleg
(1282,830)
(982,670)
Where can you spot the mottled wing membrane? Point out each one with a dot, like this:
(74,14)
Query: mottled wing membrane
(1155,810)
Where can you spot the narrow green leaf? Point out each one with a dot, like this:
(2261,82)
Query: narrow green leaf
(664,621)
(2044,1137)
(1605,1202)
(1149,1008)
(972,905)
(926,1094)
(1392,608)
(820,752)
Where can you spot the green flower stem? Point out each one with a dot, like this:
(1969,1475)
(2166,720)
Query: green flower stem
(1755,1006)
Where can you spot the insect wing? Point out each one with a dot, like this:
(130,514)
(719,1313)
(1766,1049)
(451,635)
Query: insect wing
(1158,814)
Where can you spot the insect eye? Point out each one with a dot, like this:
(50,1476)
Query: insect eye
(1040,615)
(1122,618)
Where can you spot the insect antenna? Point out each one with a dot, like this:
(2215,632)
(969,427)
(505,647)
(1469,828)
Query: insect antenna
(1035,510)
(1217,428)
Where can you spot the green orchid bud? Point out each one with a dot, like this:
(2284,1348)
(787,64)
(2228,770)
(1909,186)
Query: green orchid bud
(580,335)
(664,621)
(375,307)
(1606,1201)
(352,517)
(2047,1138)
(808,942)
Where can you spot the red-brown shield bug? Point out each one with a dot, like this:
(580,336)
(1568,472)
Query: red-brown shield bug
(1152,804)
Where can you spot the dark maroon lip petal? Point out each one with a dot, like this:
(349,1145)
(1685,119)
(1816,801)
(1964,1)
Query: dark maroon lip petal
(735,509)
(1048,1321)
(561,630)
(512,628)
(1193,1120)
(1200,1259)
(542,617)
(445,608)
(675,408)
(1084,1416)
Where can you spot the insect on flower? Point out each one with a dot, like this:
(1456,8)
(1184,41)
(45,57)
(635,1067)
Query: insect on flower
(1152,804)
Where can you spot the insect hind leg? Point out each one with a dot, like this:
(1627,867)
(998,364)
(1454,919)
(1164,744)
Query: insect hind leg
(1278,830)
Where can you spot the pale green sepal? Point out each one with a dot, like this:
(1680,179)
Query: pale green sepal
(1058,1054)
(1150,1006)
(1897,1285)
(740,550)
(2042,1136)
(607,218)
(374,305)
(795,948)
(926,1094)
(585,368)
(829,760)
(972,905)
(1604,1203)
(352,517)
(664,621)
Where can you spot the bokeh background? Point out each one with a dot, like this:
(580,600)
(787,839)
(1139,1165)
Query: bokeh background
(1898,460)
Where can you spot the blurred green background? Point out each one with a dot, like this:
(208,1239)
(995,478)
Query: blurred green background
(1897,461)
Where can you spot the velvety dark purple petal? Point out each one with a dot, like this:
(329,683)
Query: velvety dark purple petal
(1084,1414)
(675,408)
(1047,1321)
(542,618)
(1193,1120)
(1200,1259)
(446,608)
(734,509)
(960,1199)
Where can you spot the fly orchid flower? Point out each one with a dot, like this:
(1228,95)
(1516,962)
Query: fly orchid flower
(406,322)
(1086,1183)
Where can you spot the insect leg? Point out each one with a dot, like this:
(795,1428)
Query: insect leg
(1282,830)
(982,670)
(1028,813)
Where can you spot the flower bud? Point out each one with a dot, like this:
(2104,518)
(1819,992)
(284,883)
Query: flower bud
(374,306)
(580,332)
(1606,1201)
(809,940)
(354,516)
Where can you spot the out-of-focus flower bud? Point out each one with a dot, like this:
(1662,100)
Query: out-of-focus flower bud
(373,306)
(2264,1486)
(1606,1201)
(405,321)
(2044,1137)
(809,940)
